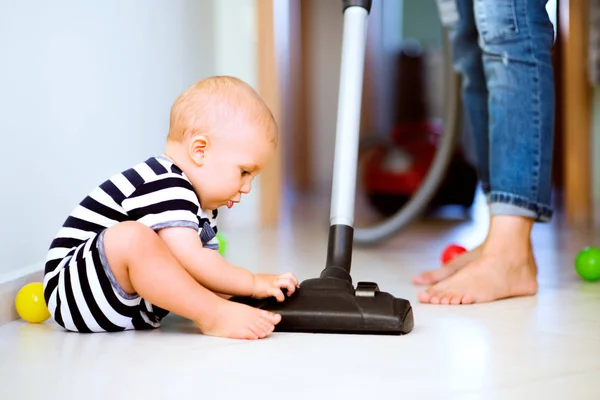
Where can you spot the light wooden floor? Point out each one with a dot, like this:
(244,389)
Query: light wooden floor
(546,346)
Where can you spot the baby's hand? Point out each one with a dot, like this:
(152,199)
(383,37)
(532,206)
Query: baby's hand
(267,285)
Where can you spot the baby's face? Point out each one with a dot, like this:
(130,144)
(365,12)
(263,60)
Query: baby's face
(230,163)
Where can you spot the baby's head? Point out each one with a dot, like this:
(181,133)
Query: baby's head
(221,135)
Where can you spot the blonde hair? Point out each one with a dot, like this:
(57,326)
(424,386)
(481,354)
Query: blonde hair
(215,101)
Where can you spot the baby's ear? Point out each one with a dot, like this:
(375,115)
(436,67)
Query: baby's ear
(197,149)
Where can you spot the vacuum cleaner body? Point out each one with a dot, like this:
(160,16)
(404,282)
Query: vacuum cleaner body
(395,172)
(398,166)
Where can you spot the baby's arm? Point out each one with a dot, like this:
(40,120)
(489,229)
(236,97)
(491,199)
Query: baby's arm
(206,266)
(169,206)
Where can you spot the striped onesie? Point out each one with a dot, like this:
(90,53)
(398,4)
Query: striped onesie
(79,287)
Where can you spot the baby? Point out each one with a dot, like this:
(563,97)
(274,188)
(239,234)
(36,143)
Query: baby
(142,244)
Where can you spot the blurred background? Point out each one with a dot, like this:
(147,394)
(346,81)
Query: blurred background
(86,89)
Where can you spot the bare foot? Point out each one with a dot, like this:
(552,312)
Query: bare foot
(436,275)
(486,279)
(239,321)
(505,268)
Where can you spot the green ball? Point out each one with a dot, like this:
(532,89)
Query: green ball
(222,243)
(587,264)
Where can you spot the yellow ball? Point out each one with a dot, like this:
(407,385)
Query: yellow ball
(30,303)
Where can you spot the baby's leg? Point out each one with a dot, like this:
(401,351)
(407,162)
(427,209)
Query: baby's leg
(142,263)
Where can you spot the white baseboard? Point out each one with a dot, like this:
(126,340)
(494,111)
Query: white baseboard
(11,283)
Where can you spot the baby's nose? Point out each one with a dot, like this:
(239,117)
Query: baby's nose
(245,189)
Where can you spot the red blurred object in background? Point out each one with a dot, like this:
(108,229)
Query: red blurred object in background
(404,170)
(396,169)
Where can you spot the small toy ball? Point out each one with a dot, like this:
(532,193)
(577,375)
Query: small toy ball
(30,303)
(222,243)
(450,252)
(587,264)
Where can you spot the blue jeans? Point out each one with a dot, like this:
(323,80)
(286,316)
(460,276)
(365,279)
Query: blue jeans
(502,48)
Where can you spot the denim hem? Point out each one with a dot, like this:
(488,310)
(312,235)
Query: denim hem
(539,212)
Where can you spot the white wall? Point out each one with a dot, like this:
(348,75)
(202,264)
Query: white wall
(85,91)
(235,51)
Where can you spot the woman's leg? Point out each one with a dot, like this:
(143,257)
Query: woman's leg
(516,37)
(467,58)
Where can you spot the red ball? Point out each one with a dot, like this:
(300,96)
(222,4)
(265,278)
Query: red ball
(452,251)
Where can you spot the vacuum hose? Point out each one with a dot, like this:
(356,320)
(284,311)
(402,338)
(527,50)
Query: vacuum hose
(448,140)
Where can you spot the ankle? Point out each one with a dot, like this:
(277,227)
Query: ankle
(508,231)
(512,224)
(206,316)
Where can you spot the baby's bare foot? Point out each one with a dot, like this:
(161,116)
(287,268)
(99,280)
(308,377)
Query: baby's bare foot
(494,275)
(436,275)
(239,321)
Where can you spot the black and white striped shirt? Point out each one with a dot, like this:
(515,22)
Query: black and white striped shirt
(155,193)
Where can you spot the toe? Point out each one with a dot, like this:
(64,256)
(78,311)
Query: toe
(436,293)
(468,299)
(270,317)
(431,295)
(251,334)
(424,297)
(455,300)
(448,297)
(266,326)
(259,331)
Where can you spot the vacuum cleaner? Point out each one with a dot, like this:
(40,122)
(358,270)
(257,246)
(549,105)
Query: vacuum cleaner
(397,168)
(396,165)
(330,303)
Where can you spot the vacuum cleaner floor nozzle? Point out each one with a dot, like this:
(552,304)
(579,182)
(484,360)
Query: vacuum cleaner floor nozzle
(332,305)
